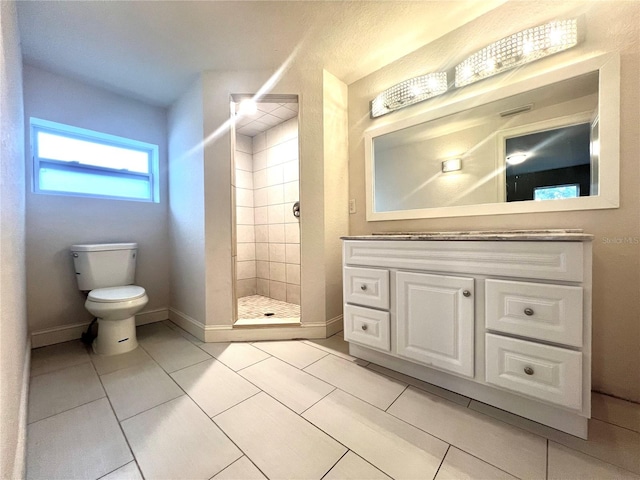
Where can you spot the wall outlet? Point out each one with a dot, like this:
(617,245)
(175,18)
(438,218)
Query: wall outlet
(352,206)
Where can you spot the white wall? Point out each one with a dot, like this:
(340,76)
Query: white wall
(186,206)
(611,26)
(335,128)
(55,222)
(14,355)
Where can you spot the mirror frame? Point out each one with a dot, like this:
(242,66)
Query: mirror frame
(608,68)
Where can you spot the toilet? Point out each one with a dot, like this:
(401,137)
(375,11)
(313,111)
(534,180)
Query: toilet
(107,272)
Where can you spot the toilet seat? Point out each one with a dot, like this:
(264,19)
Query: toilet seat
(116,294)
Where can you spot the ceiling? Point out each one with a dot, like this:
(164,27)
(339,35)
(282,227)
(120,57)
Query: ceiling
(153,50)
(266,116)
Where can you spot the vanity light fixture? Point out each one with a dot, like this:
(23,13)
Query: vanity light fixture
(518,49)
(451,165)
(409,92)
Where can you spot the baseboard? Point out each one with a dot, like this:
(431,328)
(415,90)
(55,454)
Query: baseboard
(335,325)
(66,333)
(19,464)
(188,323)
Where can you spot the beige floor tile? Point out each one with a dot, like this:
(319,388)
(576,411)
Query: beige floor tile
(511,449)
(110,363)
(616,411)
(335,344)
(365,384)
(85,442)
(565,464)
(427,387)
(235,355)
(62,390)
(352,467)
(396,448)
(292,351)
(296,389)
(177,440)
(279,442)
(610,443)
(173,351)
(136,389)
(241,469)
(154,332)
(59,356)
(213,386)
(128,472)
(459,465)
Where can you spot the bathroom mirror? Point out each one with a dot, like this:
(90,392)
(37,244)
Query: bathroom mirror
(549,142)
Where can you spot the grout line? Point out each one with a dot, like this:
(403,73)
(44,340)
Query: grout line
(69,409)
(336,462)
(546,458)
(397,397)
(442,461)
(318,401)
(124,435)
(230,407)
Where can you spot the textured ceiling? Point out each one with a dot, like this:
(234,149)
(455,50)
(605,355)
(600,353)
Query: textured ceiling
(152,50)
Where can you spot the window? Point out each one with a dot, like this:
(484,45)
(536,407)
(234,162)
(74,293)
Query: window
(74,161)
(556,192)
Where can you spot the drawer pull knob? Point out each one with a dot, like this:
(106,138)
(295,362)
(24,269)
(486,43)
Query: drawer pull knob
(466,293)
(528,370)
(363,287)
(528,311)
(364,327)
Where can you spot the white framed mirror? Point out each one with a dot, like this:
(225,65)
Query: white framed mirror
(546,142)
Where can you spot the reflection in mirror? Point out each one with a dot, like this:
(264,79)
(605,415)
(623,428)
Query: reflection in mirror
(549,165)
(552,129)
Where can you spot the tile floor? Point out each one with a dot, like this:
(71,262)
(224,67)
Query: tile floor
(252,309)
(177,408)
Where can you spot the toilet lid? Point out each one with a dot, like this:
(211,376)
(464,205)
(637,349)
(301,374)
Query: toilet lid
(116,294)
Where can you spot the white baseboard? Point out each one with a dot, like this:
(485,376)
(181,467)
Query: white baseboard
(335,325)
(190,324)
(65,333)
(19,464)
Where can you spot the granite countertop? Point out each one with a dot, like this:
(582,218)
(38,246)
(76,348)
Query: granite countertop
(550,235)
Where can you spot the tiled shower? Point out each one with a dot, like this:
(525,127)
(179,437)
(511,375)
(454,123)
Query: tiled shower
(267,232)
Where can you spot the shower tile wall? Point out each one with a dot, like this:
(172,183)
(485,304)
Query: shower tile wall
(245,234)
(277,232)
(268,235)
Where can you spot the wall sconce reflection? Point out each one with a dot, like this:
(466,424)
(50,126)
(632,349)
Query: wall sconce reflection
(452,165)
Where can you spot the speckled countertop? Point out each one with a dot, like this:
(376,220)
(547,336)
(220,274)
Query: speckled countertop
(551,235)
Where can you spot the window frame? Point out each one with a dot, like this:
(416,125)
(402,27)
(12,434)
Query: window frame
(38,125)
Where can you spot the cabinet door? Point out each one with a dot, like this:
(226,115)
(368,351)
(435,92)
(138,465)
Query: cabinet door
(435,321)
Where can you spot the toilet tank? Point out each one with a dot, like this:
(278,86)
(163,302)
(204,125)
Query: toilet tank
(104,265)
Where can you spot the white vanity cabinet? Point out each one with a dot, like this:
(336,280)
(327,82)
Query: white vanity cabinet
(435,318)
(504,319)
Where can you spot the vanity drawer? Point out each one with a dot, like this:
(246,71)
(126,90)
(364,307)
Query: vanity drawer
(367,327)
(367,286)
(541,311)
(548,373)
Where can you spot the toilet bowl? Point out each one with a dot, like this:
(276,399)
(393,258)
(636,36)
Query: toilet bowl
(106,272)
(115,308)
